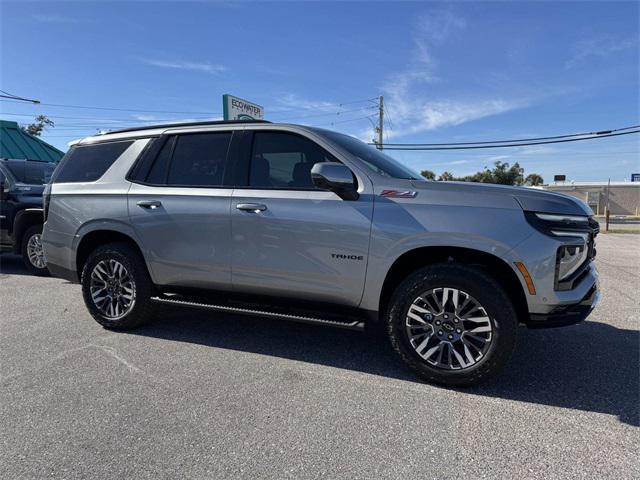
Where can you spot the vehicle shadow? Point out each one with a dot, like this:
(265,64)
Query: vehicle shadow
(12,264)
(592,366)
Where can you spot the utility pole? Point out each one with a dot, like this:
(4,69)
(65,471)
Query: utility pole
(380,128)
(608,208)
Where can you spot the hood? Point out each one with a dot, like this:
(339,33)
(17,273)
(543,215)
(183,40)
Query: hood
(490,196)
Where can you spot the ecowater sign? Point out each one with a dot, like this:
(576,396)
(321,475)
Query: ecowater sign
(235,108)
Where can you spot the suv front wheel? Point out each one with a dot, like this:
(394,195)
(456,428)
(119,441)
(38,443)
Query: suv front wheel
(452,324)
(116,287)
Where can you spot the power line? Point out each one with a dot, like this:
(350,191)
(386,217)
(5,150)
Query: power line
(16,98)
(512,141)
(344,121)
(592,137)
(99,120)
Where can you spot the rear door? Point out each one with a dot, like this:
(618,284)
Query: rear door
(179,207)
(289,238)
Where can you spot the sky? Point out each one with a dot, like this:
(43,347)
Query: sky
(448,71)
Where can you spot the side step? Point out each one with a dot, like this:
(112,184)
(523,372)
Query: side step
(349,323)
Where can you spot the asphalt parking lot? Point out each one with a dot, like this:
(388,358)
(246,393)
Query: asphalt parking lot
(221,396)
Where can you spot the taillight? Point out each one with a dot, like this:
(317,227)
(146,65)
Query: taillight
(46,199)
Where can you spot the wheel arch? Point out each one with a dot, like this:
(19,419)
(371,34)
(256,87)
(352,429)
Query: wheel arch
(25,219)
(416,258)
(101,236)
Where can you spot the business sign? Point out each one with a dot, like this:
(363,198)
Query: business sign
(235,108)
(635,177)
(559,178)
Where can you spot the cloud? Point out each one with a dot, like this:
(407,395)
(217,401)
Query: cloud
(296,102)
(413,112)
(602,46)
(205,67)
(53,18)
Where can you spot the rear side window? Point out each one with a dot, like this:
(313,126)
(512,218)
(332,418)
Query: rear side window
(158,172)
(87,163)
(199,159)
(284,160)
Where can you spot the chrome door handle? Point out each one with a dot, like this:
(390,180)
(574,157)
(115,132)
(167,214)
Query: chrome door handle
(150,204)
(251,207)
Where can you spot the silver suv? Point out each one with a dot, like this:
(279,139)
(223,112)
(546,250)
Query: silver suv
(305,224)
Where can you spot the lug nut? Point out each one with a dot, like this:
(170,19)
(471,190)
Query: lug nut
(440,332)
(455,320)
(458,330)
(438,322)
(446,316)
(450,337)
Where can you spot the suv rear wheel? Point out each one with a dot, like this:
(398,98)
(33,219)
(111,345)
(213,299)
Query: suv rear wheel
(116,287)
(32,252)
(452,324)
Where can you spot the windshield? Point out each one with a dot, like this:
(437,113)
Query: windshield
(31,173)
(373,158)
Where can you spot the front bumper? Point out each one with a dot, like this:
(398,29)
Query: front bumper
(564,315)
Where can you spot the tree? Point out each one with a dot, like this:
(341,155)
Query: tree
(501,173)
(428,174)
(36,128)
(533,179)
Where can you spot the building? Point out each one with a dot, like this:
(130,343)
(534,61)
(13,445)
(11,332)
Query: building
(624,197)
(17,144)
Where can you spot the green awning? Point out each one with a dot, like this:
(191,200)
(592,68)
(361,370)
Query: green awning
(15,143)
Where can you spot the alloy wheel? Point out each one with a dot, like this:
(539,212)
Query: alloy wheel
(112,288)
(449,328)
(35,252)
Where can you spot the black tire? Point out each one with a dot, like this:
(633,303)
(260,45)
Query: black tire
(32,231)
(142,309)
(486,291)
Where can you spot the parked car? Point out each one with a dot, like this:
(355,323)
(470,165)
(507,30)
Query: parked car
(306,224)
(21,186)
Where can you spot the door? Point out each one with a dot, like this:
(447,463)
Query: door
(180,212)
(4,209)
(291,239)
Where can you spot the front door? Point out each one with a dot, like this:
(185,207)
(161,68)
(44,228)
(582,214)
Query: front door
(290,239)
(180,212)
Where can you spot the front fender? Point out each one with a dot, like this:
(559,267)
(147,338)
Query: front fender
(400,227)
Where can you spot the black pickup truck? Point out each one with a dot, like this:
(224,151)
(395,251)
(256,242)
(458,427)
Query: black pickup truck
(21,185)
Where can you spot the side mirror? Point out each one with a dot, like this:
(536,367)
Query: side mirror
(335,177)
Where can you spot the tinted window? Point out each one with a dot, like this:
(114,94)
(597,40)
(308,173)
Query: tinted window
(199,159)
(158,173)
(373,158)
(284,160)
(87,163)
(31,173)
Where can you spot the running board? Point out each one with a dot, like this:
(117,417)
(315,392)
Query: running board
(350,324)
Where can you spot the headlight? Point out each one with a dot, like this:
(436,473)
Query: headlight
(578,233)
(570,258)
(563,220)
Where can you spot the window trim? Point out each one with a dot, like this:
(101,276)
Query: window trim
(249,153)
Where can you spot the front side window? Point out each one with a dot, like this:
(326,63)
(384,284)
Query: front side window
(87,163)
(199,159)
(284,160)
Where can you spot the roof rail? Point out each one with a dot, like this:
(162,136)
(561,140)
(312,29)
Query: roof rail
(186,124)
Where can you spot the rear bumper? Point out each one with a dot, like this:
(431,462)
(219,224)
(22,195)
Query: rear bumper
(61,272)
(567,314)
